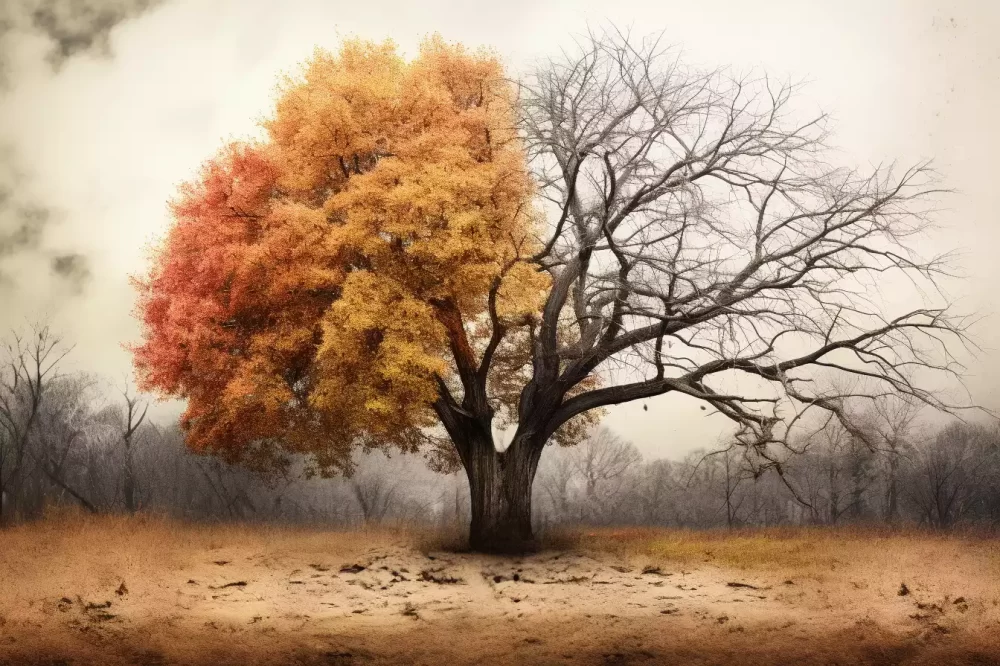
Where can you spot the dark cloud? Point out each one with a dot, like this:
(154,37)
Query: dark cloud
(73,27)
(81,26)
(25,231)
(22,221)
(72,267)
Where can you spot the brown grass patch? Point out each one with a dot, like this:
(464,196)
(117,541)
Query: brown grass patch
(793,548)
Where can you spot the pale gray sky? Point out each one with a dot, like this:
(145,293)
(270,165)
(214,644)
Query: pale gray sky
(104,141)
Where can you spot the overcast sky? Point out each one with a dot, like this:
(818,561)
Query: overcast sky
(96,133)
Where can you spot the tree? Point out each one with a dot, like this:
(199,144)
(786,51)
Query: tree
(419,255)
(893,420)
(378,487)
(375,494)
(555,475)
(61,430)
(123,424)
(733,476)
(824,472)
(657,487)
(948,473)
(27,371)
(602,459)
(131,420)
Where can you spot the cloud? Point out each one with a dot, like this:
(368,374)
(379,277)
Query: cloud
(22,221)
(72,28)
(73,268)
(26,230)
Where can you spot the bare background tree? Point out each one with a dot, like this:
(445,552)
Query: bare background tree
(72,439)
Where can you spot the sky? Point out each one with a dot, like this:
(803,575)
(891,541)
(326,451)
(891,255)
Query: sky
(107,105)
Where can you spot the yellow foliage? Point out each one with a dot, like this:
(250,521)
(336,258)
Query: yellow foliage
(386,187)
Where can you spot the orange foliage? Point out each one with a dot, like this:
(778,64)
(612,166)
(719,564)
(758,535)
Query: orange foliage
(294,302)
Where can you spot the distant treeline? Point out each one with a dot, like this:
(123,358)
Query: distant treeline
(944,479)
(65,440)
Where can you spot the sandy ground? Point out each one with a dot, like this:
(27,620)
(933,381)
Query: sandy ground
(149,592)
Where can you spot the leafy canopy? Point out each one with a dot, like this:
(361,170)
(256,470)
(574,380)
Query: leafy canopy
(302,298)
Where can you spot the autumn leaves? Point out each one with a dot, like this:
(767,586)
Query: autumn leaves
(293,300)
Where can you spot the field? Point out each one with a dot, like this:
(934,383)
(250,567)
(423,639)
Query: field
(106,590)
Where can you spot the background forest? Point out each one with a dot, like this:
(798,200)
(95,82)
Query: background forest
(79,439)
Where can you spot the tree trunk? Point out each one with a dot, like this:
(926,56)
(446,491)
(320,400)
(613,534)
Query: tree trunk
(128,483)
(892,493)
(500,490)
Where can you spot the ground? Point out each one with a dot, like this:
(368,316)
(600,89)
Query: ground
(153,591)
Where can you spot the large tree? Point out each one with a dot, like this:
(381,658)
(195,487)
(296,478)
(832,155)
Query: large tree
(421,254)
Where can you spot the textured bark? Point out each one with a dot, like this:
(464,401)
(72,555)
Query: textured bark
(499,482)
(500,489)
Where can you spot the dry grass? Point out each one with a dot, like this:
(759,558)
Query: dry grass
(789,548)
(231,594)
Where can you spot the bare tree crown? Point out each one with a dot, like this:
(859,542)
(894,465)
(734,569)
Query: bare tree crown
(698,236)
